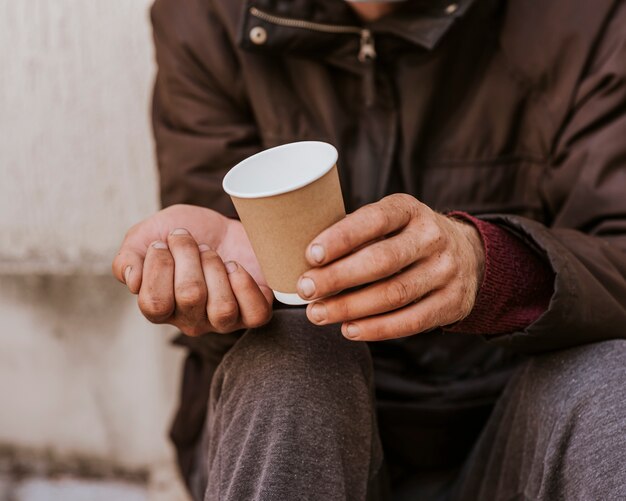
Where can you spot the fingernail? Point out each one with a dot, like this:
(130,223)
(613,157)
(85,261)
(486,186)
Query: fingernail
(180,231)
(318,313)
(203,247)
(159,245)
(352,331)
(231,266)
(127,274)
(317,253)
(306,287)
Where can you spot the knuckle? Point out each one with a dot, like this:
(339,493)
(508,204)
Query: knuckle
(156,309)
(397,294)
(403,200)
(348,309)
(407,327)
(210,257)
(404,203)
(344,236)
(446,266)
(385,260)
(256,321)
(162,260)
(339,310)
(414,324)
(397,329)
(190,293)
(376,333)
(329,281)
(433,235)
(185,243)
(379,218)
(258,316)
(225,315)
(224,329)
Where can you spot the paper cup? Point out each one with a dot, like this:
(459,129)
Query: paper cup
(285,197)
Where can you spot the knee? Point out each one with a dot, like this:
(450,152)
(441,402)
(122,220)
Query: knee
(582,375)
(291,353)
(582,387)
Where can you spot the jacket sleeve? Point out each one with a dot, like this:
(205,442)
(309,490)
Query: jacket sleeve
(584,194)
(201,118)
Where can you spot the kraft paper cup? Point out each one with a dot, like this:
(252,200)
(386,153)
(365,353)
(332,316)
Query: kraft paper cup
(285,197)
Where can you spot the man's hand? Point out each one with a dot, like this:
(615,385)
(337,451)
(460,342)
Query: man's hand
(194,268)
(421,269)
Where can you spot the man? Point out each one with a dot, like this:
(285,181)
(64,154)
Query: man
(492,277)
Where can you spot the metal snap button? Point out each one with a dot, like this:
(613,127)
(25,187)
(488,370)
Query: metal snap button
(452,8)
(258,35)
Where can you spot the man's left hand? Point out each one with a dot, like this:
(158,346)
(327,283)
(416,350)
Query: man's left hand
(402,267)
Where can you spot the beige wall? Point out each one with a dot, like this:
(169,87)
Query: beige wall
(81,373)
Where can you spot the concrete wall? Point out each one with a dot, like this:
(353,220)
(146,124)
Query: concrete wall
(87,386)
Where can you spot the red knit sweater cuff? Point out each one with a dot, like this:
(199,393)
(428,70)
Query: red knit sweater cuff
(517,284)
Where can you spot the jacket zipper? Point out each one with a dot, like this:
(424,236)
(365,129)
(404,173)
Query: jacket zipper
(367,50)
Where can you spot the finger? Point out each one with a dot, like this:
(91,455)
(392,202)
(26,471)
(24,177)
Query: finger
(128,268)
(156,296)
(222,308)
(373,262)
(269,295)
(381,297)
(366,224)
(254,309)
(428,313)
(190,290)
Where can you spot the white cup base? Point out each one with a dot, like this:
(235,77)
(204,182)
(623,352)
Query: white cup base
(290,298)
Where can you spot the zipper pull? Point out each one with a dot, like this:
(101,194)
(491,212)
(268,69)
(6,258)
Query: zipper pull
(367,51)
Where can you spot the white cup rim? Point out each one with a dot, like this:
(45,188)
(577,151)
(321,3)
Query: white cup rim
(305,177)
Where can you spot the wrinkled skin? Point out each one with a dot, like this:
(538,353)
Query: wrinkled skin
(402,267)
(194,268)
(420,269)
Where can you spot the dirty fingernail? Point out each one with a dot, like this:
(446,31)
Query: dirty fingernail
(317,253)
(319,313)
(127,274)
(159,245)
(203,247)
(306,287)
(231,266)
(352,331)
(180,231)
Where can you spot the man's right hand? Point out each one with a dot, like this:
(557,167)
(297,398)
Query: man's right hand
(195,269)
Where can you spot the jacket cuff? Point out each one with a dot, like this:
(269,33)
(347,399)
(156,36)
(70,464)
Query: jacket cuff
(517,284)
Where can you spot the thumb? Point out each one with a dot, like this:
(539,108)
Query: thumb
(127,267)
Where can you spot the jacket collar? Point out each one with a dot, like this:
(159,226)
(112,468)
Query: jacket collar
(422,23)
(285,25)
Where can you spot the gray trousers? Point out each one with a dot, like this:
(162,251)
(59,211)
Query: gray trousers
(292,416)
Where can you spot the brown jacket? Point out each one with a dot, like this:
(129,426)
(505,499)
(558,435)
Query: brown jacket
(512,111)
